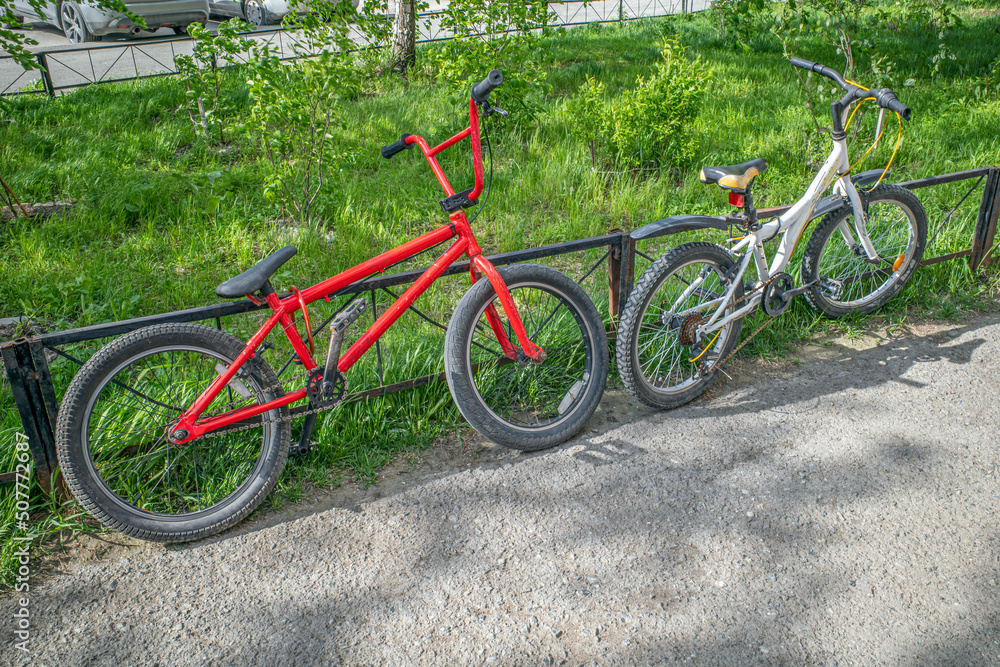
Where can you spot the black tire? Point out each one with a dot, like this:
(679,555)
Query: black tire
(897,226)
(520,404)
(127,394)
(256,13)
(644,323)
(73,25)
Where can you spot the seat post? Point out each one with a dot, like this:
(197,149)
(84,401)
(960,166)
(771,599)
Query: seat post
(266,288)
(748,207)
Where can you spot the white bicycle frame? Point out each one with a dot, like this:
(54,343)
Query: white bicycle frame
(835,171)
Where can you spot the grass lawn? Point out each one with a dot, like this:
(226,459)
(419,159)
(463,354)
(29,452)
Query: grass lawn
(161,217)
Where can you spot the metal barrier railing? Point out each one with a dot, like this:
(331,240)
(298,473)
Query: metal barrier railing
(70,68)
(25,359)
(34,394)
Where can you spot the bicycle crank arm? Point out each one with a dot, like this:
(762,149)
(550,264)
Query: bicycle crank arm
(788,295)
(305,441)
(338,328)
(778,292)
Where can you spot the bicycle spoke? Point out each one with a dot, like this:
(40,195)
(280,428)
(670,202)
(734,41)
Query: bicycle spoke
(892,236)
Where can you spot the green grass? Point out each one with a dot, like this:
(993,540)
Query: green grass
(146,237)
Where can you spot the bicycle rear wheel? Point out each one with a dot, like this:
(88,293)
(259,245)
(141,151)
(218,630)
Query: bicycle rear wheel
(659,359)
(519,403)
(112,426)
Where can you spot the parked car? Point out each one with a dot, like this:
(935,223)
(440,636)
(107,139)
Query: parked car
(258,12)
(83,22)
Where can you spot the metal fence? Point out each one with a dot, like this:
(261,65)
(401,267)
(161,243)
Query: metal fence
(26,359)
(71,68)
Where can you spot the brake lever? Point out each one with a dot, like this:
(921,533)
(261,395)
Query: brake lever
(492,110)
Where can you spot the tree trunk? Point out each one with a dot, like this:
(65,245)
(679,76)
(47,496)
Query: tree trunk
(404,45)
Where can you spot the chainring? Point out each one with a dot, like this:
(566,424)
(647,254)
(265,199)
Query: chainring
(314,389)
(772,301)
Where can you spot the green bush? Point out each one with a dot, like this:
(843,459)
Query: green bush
(296,108)
(587,116)
(203,77)
(739,21)
(650,124)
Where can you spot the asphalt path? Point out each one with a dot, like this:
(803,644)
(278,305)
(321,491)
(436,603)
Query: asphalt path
(840,509)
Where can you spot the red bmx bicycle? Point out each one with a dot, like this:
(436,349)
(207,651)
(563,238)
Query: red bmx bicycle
(178,431)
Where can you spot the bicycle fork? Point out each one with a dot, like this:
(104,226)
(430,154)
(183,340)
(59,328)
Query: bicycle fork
(480,267)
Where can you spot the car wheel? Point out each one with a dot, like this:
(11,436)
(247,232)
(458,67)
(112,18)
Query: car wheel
(73,25)
(255,13)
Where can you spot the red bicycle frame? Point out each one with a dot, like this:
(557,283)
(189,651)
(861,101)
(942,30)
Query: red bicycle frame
(284,309)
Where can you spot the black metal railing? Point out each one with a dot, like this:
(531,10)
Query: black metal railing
(26,364)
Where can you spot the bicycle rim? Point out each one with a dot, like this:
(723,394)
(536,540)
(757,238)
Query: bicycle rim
(892,229)
(125,426)
(520,393)
(664,361)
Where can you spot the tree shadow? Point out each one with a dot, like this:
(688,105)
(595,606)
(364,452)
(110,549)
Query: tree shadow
(718,540)
(897,361)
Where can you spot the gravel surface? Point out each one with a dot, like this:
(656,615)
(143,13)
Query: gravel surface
(837,511)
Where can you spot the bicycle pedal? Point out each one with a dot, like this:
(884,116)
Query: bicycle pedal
(834,288)
(344,319)
(297,449)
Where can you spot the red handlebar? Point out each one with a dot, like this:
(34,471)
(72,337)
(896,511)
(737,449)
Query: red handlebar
(477,152)
(479,96)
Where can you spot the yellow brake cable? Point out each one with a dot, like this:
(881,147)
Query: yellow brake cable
(899,139)
(707,347)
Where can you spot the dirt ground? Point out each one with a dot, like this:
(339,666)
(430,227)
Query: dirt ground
(837,508)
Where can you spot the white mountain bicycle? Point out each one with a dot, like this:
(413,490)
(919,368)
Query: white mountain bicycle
(683,318)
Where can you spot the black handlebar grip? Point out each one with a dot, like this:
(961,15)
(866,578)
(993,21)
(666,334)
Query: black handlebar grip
(803,63)
(822,70)
(886,98)
(900,108)
(396,147)
(481,91)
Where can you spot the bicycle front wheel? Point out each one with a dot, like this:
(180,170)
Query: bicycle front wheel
(519,403)
(848,281)
(660,359)
(113,422)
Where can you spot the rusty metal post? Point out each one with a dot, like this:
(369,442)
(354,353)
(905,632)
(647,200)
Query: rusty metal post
(621,272)
(614,280)
(627,269)
(43,64)
(986,223)
(34,396)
